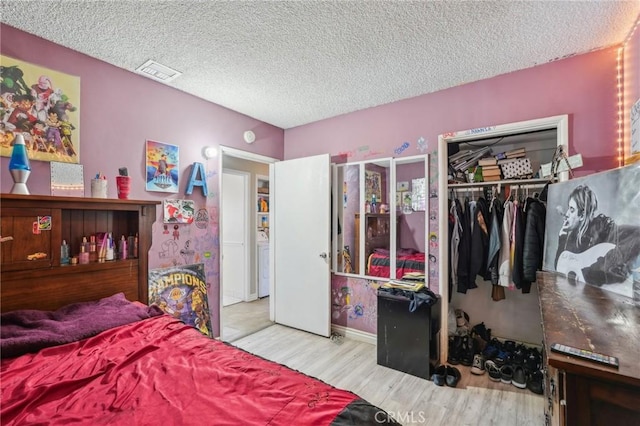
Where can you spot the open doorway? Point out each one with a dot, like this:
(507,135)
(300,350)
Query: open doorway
(244,243)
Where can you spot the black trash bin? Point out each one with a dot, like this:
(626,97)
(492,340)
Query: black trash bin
(407,340)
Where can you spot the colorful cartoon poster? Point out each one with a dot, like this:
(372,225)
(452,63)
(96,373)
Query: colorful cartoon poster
(44,106)
(162,167)
(179,211)
(181,292)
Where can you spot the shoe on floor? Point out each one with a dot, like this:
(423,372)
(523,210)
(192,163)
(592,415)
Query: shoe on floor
(468,351)
(438,376)
(519,379)
(535,382)
(453,376)
(506,374)
(478,365)
(493,370)
(455,350)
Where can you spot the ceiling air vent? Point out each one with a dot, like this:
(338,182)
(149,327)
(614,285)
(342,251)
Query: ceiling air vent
(157,71)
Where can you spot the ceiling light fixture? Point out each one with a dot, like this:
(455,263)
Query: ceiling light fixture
(158,72)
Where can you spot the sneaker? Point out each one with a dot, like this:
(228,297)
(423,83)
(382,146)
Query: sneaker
(478,364)
(533,360)
(506,374)
(493,370)
(491,350)
(519,379)
(534,384)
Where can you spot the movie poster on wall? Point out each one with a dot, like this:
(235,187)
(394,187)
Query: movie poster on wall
(44,106)
(162,164)
(593,230)
(181,292)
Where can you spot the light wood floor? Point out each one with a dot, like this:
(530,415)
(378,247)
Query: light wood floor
(241,319)
(352,365)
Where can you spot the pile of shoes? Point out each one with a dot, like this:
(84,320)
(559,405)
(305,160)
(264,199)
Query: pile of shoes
(507,362)
(514,363)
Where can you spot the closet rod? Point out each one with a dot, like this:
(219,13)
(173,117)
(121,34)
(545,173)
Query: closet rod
(499,182)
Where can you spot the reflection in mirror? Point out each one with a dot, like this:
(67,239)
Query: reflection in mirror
(377,223)
(411,197)
(348,178)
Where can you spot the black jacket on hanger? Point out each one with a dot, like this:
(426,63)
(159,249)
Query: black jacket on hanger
(479,240)
(533,239)
(518,272)
(465,281)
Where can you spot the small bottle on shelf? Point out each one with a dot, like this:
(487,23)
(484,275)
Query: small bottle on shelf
(83,257)
(64,253)
(93,249)
(122,249)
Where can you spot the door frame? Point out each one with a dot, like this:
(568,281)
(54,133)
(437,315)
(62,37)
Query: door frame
(245,155)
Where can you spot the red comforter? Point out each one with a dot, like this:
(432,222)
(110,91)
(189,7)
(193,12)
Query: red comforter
(159,371)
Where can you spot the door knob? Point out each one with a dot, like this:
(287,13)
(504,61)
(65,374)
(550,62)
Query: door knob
(323,255)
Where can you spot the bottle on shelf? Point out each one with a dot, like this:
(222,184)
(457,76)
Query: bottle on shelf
(93,249)
(64,253)
(122,249)
(83,257)
(110,254)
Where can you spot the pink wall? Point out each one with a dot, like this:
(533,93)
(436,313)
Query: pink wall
(119,110)
(583,86)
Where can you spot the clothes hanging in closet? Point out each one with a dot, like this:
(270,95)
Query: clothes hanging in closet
(533,241)
(465,280)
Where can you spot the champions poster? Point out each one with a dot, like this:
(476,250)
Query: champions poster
(181,292)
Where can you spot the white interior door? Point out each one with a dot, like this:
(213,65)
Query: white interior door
(235,190)
(300,228)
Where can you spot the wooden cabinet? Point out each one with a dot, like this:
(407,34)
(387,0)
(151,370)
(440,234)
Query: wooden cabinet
(377,229)
(580,392)
(51,285)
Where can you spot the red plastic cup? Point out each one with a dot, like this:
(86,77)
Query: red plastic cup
(123,183)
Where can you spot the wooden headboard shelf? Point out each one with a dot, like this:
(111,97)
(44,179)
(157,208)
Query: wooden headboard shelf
(43,283)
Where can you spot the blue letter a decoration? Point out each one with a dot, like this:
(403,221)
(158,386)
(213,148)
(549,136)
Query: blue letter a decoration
(193,181)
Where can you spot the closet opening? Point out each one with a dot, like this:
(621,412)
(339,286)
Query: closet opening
(533,145)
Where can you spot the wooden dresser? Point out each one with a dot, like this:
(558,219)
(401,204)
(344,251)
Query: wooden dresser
(584,393)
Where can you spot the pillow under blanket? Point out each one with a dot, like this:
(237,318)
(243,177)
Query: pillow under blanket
(30,330)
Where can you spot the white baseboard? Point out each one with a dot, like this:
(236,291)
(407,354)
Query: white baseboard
(352,333)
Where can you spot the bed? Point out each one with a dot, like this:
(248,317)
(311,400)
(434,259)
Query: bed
(407,260)
(114,361)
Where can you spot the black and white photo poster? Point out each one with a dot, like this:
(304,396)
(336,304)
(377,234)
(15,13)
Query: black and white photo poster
(593,230)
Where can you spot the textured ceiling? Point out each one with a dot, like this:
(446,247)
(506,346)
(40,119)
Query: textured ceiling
(292,63)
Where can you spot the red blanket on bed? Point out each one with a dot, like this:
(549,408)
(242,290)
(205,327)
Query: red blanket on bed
(159,371)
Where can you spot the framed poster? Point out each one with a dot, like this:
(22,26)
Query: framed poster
(592,230)
(43,105)
(181,292)
(162,163)
(179,211)
(373,186)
